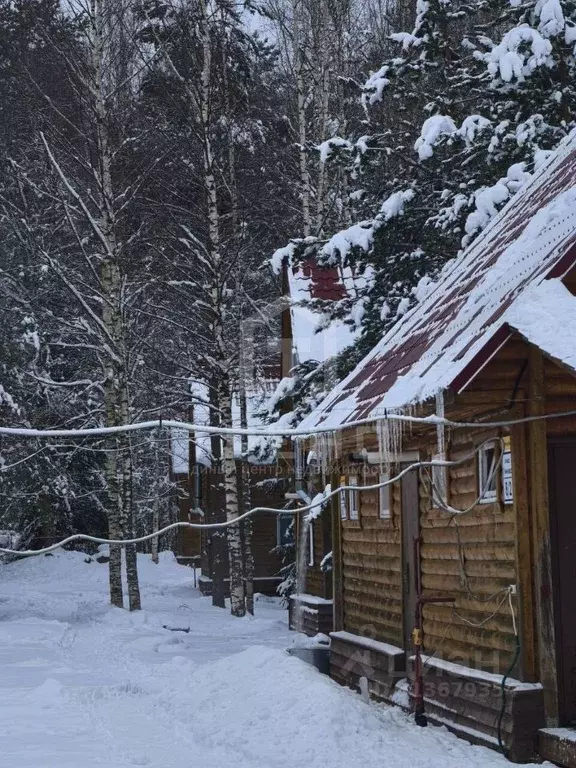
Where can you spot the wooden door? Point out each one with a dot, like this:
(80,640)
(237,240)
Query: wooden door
(410,566)
(562,487)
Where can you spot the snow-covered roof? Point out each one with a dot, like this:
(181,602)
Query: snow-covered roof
(315,336)
(545,315)
(494,286)
(307,281)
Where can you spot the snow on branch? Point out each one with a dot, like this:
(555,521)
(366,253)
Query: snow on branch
(522,50)
(374,87)
(489,200)
(432,129)
(326,148)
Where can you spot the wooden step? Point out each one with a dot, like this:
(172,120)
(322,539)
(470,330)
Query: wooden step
(558,745)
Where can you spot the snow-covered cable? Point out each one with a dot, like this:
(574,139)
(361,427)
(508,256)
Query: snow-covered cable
(214,526)
(272,431)
(512,611)
(443,504)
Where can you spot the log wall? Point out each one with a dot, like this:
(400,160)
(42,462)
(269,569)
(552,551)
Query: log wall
(266,490)
(472,558)
(372,568)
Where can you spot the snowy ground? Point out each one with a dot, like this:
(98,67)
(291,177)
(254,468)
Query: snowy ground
(85,685)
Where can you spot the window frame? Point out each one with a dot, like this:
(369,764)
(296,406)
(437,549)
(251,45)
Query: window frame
(483,472)
(343,501)
(290,518)
(384,492)
(354,498)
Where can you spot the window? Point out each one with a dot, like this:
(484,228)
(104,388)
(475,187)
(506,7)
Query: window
(353,501)
(487,475)
(439,481)
(384,512)
(284,530)
(343,503)
(311,543)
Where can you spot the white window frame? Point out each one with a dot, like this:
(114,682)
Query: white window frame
(279,542)
(343,501)
(354,498)
(311,543)
(439,481)
(487,495)
(384,498)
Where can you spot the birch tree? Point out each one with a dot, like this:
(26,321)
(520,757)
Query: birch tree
(93,191)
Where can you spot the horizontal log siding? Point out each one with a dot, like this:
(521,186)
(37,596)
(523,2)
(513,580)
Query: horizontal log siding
(371,566)
(481,565)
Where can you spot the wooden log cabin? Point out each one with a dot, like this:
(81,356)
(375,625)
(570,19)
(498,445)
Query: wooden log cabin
(491,348)
(303,342)
(201,497)
(267,488)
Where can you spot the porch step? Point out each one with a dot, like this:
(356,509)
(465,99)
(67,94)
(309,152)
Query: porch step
(558,745)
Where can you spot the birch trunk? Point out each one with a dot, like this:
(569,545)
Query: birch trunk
(117,402)
(155,507)
(134,602)
(216,539)
(324,104)
(301,111)
(237,595)
(246,504)
(237,606)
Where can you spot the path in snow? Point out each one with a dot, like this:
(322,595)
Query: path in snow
(84,685)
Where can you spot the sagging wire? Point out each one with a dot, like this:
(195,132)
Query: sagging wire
(507,597)
(271,431)
(479,624)
(436,495)
(216,526)
(495,466)
(507,591)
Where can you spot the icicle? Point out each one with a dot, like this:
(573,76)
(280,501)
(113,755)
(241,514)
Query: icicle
(441,428)
(324,449)
(298,459)
(390,437)
(440,474)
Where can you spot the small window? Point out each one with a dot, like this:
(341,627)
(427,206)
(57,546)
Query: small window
(284,530)
(439,482)
(487,475)
(353,500)
(311,544)
(343,501)
(507,484)
(384,511)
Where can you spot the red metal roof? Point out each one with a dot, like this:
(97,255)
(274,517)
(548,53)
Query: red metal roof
(442,342)
(319,282)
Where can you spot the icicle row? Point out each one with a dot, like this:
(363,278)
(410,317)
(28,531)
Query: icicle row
(390,434)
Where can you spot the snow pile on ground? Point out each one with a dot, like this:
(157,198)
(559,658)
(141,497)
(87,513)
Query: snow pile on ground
(84,685)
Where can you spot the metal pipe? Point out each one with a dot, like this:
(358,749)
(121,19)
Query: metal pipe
(417,641)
